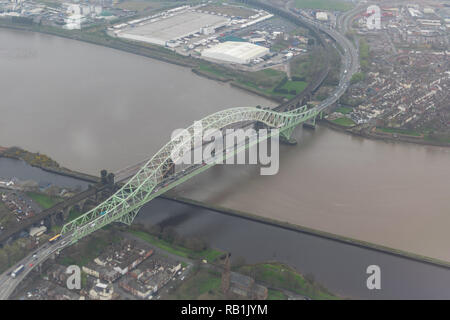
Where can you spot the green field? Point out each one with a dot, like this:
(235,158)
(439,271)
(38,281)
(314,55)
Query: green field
(346,122)
(263,81)
(344,110)
(208,254)
(277,275)
(203,284)
(298,86)
(73,214)
(333,5)
(357,77)
(274,294)
(43,200)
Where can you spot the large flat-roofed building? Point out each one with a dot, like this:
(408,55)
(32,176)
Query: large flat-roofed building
(235,52)
(169,28)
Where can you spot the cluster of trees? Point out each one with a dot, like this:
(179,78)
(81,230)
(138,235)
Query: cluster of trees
(13,252)
(281,276)
(34,159)
(364,54)
(347,100)
(357,77)
(307,67)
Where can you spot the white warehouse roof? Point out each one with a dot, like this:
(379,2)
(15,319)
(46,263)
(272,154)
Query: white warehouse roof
(236,52)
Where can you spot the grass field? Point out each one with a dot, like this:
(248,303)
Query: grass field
(274,294)
(277,275)
(344,110)
(298,86)
(73,214)
(203,284)
(346,122)
(333,5)
(43,200)
(208,254)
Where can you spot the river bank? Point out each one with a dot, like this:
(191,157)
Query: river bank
(39,160)
(386,137)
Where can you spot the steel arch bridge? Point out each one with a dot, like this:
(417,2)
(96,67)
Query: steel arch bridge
(149,181)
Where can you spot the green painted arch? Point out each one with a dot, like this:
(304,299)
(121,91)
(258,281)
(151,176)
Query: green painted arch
(124,204)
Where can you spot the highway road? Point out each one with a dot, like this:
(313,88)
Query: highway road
(8,284)
(350,57)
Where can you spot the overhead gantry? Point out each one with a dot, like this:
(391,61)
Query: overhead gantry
(153,178)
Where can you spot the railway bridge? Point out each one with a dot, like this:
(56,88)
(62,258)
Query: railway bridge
(60,212)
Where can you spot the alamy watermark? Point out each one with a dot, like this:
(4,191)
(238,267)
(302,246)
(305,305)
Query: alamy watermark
(374,280)
(73,281)
(213,146)
(374,20)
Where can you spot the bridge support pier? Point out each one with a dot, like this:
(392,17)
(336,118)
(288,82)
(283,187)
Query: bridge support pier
(310,124)
(286,136)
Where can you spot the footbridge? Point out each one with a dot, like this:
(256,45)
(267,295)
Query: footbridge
(158,175)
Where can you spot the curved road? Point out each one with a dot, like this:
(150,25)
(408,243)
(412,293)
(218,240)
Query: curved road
(350,56)
(8,284)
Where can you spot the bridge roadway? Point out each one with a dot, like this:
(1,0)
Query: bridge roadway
(8,284)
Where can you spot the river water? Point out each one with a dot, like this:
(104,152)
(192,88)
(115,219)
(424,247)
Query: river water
(91,107)
(11,168)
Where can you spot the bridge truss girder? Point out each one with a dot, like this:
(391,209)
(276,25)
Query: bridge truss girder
(124,205)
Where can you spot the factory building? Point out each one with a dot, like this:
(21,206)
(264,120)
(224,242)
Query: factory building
(169,28)
(235,52)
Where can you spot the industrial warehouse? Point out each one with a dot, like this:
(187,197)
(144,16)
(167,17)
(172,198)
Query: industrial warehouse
(235,52)
(204,32)
(174,26)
